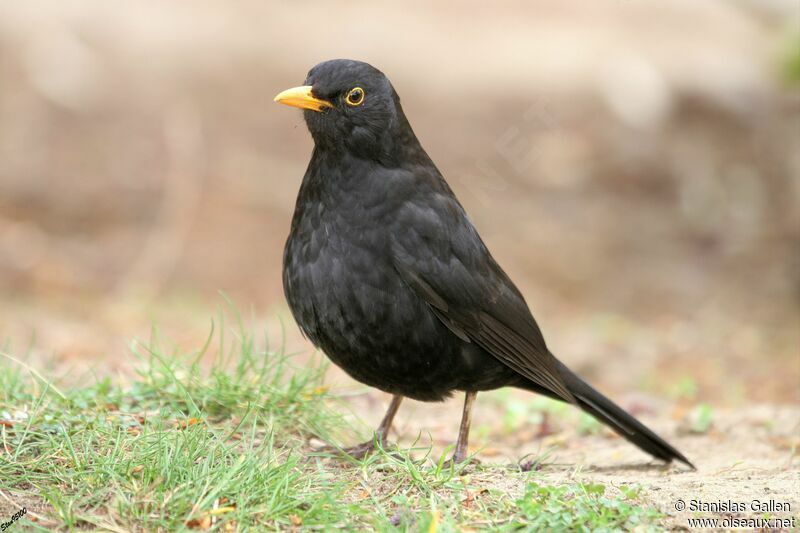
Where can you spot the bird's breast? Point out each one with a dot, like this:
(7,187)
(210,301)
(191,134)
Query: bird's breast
(339,277)
(349,300)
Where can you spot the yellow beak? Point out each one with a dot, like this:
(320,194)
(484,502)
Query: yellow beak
(301,97)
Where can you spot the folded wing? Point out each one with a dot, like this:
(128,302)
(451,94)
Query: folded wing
(439,254)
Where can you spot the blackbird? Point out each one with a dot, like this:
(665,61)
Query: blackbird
(384,271)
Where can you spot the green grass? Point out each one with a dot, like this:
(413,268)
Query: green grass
(223,445)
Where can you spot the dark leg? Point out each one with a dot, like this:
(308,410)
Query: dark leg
(462,446)
(360,451)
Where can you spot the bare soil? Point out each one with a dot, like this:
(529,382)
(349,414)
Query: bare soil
(750,453)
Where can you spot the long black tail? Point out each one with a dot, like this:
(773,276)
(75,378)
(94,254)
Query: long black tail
(615,417)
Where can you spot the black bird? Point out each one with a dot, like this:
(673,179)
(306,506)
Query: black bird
(386,274)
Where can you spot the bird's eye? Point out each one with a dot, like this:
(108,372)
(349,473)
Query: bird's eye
(355,96)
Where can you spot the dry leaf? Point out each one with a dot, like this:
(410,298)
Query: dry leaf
(204,522)
(183,424)
(221,510)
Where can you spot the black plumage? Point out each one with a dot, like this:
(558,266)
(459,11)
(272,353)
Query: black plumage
(385,273)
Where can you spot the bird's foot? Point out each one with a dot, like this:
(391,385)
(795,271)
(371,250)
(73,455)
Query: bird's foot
(460,460)
(359,451)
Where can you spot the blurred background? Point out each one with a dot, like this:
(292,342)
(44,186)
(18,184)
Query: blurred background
(634,166)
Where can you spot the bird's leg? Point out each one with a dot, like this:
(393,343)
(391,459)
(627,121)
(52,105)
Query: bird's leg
(462,445)
(382,433)
(359,451)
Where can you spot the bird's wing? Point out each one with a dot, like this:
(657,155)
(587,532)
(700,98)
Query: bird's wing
(439,254)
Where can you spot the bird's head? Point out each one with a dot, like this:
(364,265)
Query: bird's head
(351,105)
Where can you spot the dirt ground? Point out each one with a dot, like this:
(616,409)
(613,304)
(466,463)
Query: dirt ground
(746,454)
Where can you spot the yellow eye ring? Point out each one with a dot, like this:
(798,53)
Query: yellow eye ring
(355,97)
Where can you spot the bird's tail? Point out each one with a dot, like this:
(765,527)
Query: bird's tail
(618,419)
